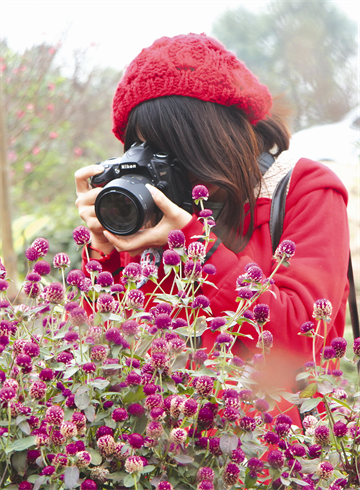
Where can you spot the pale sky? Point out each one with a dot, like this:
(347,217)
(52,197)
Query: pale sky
(116,31)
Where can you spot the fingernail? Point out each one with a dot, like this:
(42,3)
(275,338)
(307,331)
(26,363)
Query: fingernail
(153,190)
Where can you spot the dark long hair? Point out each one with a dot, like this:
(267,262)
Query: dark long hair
(218,145)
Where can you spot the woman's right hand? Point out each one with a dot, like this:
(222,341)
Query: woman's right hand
(85,202)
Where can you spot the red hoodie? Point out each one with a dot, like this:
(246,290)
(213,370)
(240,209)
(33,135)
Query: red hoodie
(316,220)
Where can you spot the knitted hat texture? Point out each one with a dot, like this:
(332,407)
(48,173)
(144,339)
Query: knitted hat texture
(193,65)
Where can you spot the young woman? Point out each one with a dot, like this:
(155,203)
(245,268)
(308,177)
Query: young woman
(195,100)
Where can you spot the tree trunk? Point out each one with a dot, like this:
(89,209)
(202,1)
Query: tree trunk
(8,253)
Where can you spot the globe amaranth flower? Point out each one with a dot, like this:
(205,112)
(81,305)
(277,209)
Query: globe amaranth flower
(33,277)
(132,272)
(88,485)
(255,465)
(25,485)
(171,258)
(23,360)
(41,245)
(200,301)
(190,407)
(247,424)
(309,421)
(356,347)
(200,356)
(75,277)
(83,459)
(178,436)
(231,474)
(135,440)
(154,430)
(196,250)
(136,409)
(339,345)
(98,353)
(54,415)
(340,429)
(55,293)
(265,340)
(231,414)
(205,474)
(322,435)
(133,379)
(93,266)
(135,299)
(325,470)
(61,261)
(105,279)
(176,239)
(285,250)
(119,415)
(68,429)
(163,321)
(261,405)
(276,459)
(106,445)
(134,464)
(254,273)
(81,235)
(32,289)
(113,335)
(105,303)
(203,385)
(42,267)
(209,269)
(200,192)
(245,293)
(78,316)
(164,485)
(261,313)
(328,352)
(224,338)
(192,270)
(150,271)
(32,254)
(322,310)
(307,327)
(31,349)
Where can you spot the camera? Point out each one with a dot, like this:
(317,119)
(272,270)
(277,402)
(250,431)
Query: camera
(125,205)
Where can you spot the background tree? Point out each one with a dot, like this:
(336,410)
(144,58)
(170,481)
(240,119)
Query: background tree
(306,49)
(57,120)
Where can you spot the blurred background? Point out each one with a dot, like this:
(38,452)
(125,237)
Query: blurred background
(60,63)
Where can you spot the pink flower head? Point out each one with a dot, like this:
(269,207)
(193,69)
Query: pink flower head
(325,470)
(32,289)
(247,424)
(200,301)
(192,270)
(119,415)
(54,415)
(231,474)
(37,390)
(262,313)
(196,250)
(88,485)
(322,310)
(55,293)
(254,273)
(31,349)
(98,353)
(32,254)
(78,316)
(209,269)
(322,435)
(42,267)
(61,260)
(105,279)
(307,327)
(200,192)
(75,278)
(105,303)
(203,385)
(81,235)
(171,258)
(339,345)
(286,250)
(41,245)
(176,239)
(134,464)
(93,266)
(132,272)
(136,299)
(328,353)
(356,346)
(276,459)
(205,213)
(265,340)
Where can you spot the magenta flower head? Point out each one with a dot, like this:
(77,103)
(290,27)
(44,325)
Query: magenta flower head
(41,245)
(42,267)
(196,250)
(265,340)
(209,269)
(322,435)
(322,310)
(205,213)
(93,266)
(119,415)
(339,429)
(4,285)
(325,470)
(54,415)
(247,424)
(113,335)
(254,273)
(33,277)
(205,474)
(261,313)
(255,465)
(88,485)
(192,270)
(32,254)
(135,299)
(176,239)
(203,385)
(78,316)
(130,328)
(339,345)
(75,278)
(245,293)
(98,353)
(307,327)
(328,353)
(105,303)
(285,251)
(134,464)
(171,258)
(31,349)
(136,409)
(261,405)
(32,289)
(132,272)
(231,474)
(276,459)
(164,485)
(105,279)
(61,260)
(81,235)
(200,192)
(200,301)
(55,293)
(356,347)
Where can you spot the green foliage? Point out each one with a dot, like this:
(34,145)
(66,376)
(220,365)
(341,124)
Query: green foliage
(305,49)
(56,123)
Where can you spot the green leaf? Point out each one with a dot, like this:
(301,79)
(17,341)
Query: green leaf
(148,468)
(71,371)
(206,372)
(71,477)
(180,361)
(129,481)
(90,413)
(303,375)
(309,391)
(183,459)
(38,482)
(101,384)
(19,462)
(310,404)
(82,400)
(228,443)
(25,427)
(96,458)
(21,444)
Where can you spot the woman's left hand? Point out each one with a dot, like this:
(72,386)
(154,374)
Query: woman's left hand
(174,218)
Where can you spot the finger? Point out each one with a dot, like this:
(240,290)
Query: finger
(162,202)
(83,174)
(139,241)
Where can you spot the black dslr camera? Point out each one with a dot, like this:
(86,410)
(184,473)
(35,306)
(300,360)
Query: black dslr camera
(125,205)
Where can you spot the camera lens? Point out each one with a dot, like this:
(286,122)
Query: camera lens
(125,205)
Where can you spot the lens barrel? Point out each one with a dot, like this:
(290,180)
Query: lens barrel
(125,205)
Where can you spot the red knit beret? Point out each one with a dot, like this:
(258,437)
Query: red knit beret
(193,65)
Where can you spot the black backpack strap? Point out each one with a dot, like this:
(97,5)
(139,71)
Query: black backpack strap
(277,213)
(265,160)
